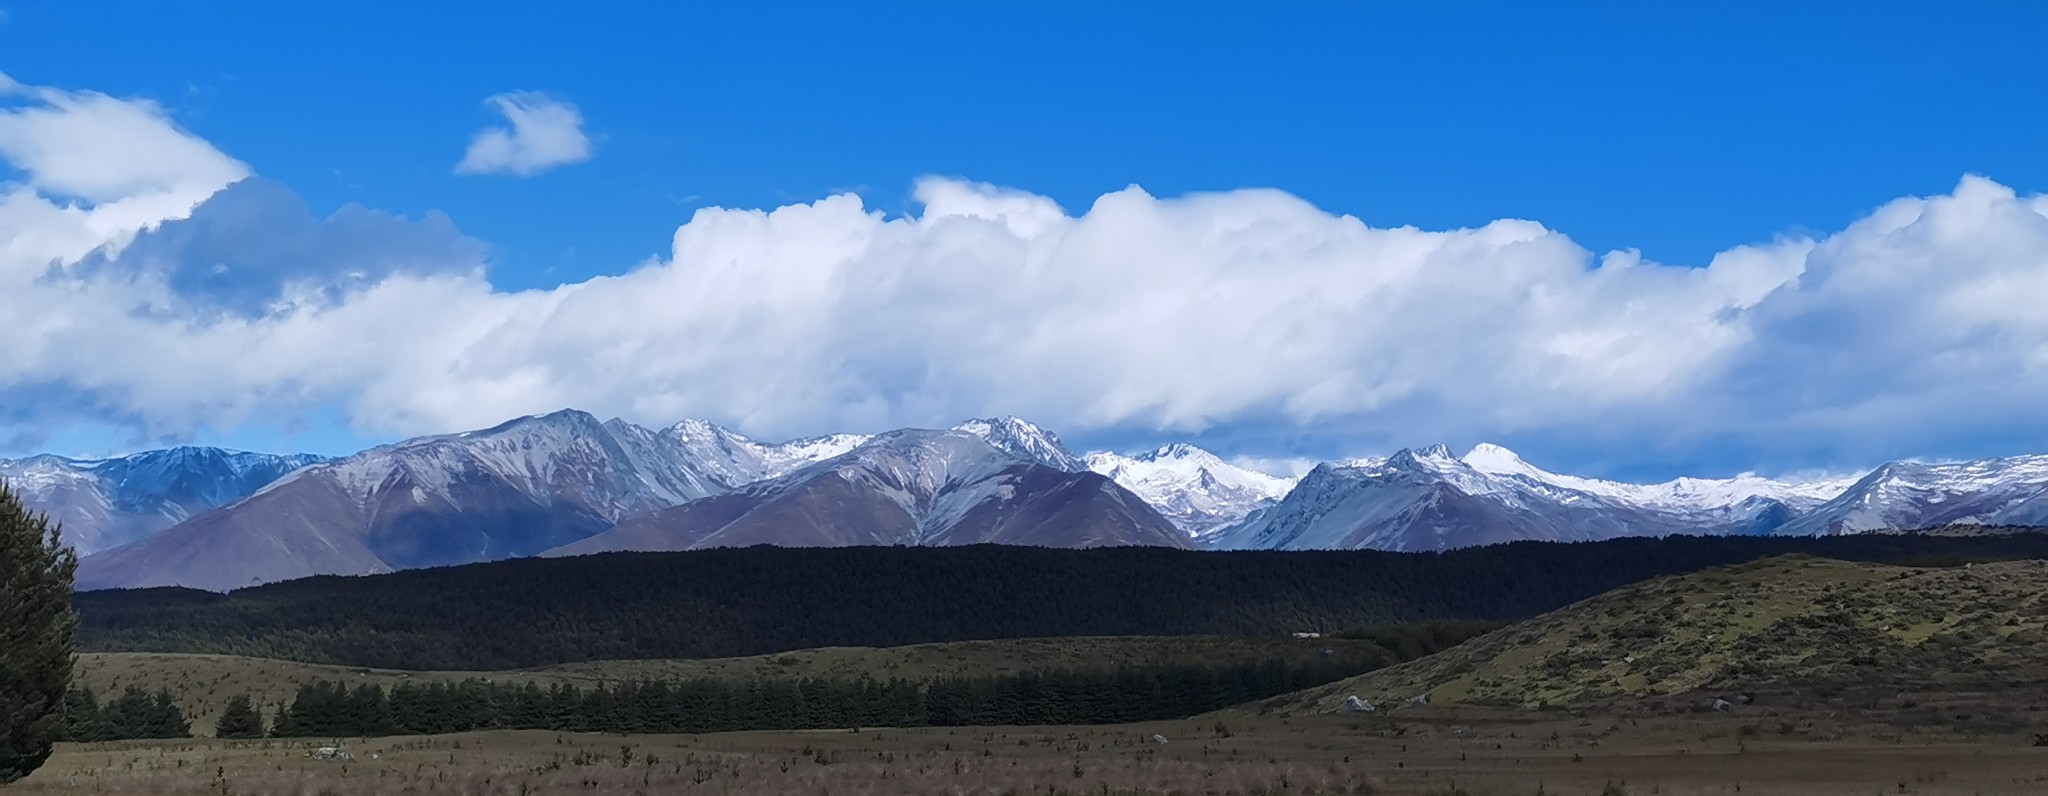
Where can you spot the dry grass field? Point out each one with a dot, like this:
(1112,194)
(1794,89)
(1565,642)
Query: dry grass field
(1423,751)
(202,684)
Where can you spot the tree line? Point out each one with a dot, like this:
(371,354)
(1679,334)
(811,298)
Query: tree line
(1055,697)
(134,714)
(753,601)
(329,709)
(1070,695)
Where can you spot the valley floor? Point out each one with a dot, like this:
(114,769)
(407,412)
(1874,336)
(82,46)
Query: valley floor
(1425,751)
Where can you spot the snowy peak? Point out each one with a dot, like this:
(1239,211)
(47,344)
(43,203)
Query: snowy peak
(736,460)
(1424,499)
(560,424)
(1434,458)
(1022,438)
(906,487)
(104,503)
(1677,494)
(1196,490)
(1910,495)
(1487,457)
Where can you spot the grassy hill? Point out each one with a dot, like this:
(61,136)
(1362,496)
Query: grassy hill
(202,684)
(1788,623)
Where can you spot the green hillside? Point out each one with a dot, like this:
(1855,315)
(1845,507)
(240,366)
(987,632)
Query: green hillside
(1788,623)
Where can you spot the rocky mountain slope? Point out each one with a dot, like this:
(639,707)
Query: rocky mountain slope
(2008,491)
(911,487)
(105,503)
(1428,499)
(521,488)
(546,484)
(1024,440)
(1192,487)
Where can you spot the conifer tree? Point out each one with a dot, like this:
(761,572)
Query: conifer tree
(82,719)
(239,720)
(37,636)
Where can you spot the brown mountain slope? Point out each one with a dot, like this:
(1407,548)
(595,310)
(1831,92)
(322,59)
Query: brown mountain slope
(310,529)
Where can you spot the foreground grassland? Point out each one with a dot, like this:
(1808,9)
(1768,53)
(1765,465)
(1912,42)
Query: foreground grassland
(1790,630)
(202,684)
(1421,751)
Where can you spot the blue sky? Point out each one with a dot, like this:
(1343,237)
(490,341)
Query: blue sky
(1676,133)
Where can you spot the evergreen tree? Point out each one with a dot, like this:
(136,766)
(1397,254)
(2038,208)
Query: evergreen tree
(37,635)
(83,721)
(140,714)
(240,720)
(166,720)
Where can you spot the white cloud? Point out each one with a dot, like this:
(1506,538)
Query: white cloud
(90,147)
(1284,467)
(1912,331)
(545,133)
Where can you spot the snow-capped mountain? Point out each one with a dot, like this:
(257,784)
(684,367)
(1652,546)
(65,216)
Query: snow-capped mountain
(1192,487)
(1908,495)
(909,487)
(566,483)
(1426,499)
(1023,439)
(1680,494)
(517,489)
(105,503)
(734,459)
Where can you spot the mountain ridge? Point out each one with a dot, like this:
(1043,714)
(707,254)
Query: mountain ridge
(105,503)
(542,484)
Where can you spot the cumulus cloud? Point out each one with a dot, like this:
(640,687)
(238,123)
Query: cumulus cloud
(545,132)
(94,148)
(1915,330)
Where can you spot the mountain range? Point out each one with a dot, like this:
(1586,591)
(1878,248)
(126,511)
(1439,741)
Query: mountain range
(568,484)
(1428,499)
(106,503)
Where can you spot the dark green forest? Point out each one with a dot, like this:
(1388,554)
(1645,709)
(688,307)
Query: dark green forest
(1054,695)
(718,603)
(1061,696)
(134,714)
